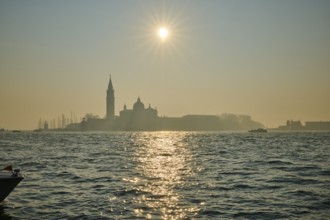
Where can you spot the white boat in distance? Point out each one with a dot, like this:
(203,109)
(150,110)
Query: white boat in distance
(9,179)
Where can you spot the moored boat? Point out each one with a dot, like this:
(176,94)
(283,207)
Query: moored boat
(9,179)
(260,130)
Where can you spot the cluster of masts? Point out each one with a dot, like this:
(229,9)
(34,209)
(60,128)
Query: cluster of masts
(58,123)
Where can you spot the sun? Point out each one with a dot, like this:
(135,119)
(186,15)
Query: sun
(163,33)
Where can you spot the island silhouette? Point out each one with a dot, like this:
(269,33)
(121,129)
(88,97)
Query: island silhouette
(141,118)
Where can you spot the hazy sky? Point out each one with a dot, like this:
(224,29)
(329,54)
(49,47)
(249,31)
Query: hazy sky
(268,59)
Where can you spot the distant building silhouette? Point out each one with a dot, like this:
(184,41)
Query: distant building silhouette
(140,118)
(317,125)
(46,125)
(309,126)
(110,102)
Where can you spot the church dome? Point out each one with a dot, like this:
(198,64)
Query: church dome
(138,105)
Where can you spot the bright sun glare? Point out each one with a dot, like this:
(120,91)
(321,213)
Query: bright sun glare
(163,33)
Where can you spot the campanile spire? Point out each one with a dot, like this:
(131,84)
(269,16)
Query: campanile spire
(110,101)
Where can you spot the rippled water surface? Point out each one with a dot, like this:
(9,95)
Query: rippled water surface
(168,175)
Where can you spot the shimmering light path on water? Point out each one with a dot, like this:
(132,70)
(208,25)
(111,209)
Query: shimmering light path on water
(168,175)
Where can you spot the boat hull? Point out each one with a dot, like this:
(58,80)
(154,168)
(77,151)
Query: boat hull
(7,185)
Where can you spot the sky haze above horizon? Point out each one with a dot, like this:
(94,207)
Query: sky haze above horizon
(266,59)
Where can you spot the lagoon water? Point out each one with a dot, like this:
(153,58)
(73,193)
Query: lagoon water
(168,175)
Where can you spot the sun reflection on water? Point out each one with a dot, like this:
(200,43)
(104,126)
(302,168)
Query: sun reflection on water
(163,160)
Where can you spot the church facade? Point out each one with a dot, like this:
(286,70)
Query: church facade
(138,118)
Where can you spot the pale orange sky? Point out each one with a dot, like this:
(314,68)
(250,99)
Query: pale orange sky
(266,59)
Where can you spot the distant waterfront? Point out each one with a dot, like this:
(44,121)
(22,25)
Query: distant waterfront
(140,118)
(309,126)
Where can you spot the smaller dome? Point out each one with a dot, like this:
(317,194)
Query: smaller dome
(138,105)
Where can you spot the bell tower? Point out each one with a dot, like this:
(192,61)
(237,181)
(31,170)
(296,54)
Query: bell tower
(110,101)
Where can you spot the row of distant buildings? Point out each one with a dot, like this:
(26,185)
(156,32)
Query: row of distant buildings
(141,118)
(309,126)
